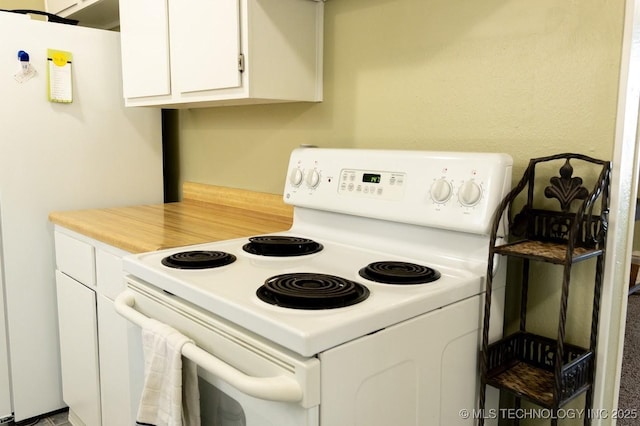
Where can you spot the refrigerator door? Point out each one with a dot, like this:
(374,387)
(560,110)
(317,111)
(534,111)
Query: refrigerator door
(90,153)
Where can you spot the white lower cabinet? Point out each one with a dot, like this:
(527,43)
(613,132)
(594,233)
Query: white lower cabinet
(79,348)
(119,406)
(94,339)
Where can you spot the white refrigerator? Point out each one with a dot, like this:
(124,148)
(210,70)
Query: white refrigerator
(89,153)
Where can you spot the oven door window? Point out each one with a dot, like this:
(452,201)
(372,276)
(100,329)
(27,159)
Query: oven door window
(218,408)
(223,405)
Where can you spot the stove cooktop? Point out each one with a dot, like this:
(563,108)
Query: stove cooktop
(367,213)
(232,290)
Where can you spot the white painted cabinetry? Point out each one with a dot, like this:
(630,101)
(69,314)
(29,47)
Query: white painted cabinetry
(77,321)
(198,53)
(94,339)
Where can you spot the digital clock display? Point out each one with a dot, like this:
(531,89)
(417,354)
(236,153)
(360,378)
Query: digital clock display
(370,178)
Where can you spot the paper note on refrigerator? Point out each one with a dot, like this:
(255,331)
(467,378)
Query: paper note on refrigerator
(59,84)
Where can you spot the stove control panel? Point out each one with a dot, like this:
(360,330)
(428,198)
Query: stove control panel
(372,184)
(450,190)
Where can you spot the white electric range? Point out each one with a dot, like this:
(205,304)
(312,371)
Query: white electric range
(366,312)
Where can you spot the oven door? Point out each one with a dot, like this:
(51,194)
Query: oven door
(244,380)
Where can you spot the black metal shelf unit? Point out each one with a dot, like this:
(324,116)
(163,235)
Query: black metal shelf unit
(543,370)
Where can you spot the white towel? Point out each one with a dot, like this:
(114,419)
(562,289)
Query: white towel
(170,395)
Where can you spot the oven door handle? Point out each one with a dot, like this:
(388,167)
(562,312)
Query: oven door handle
(278,388)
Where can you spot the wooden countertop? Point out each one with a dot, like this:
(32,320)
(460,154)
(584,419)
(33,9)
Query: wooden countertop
(208,213)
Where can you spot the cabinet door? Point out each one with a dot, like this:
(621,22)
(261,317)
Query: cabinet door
(205,44)
(144,38)
(79,348)
(119,402)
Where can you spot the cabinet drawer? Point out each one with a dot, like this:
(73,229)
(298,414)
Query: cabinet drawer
(110,276)
(76,259)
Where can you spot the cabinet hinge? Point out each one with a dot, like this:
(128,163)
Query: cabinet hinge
(241,62)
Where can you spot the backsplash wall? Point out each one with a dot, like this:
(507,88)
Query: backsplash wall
(529,79)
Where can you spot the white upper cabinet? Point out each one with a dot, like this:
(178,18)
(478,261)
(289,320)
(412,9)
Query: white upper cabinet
(145,48)
(206,57)
(199,53)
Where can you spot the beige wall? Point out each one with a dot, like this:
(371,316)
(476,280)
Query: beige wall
(22,4)
(525,78)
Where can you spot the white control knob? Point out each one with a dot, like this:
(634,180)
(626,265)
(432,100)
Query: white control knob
(313,178)
(469,194)
(295,177)
(441,191)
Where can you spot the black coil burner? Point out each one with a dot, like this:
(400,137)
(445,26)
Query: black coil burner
(198,259)
(281,246)
(311,291)
(390,272)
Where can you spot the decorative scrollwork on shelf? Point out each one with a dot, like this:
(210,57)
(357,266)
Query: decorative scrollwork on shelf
(559,228)
(566,188)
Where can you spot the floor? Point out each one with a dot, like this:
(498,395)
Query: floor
(630,378)
(58,419)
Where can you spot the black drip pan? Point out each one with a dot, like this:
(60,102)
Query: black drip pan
(281,246)
(311,291)
(399,273)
